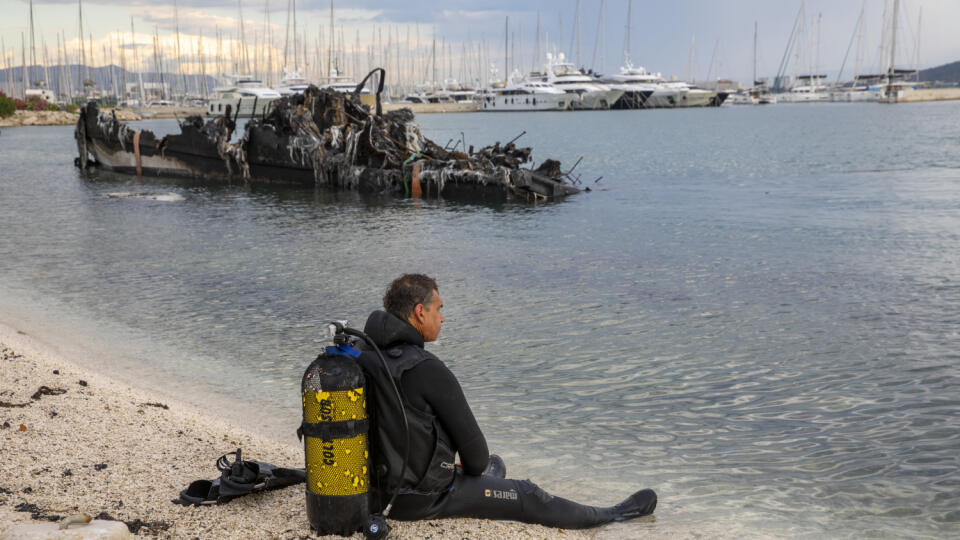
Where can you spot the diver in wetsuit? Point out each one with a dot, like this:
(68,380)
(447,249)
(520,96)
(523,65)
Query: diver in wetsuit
(441,424)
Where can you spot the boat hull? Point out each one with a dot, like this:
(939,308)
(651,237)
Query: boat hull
(525,102)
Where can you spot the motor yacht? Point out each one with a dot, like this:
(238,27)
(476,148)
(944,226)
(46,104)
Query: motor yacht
(292,82)
(247,97)
(641,88)
(585,92)
(522,94)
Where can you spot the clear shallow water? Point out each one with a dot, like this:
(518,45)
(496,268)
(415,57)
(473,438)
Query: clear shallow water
(755,312)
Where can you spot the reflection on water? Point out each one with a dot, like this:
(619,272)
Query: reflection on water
(755,312)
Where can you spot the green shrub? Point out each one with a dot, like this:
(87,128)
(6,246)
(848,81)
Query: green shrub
(52,107)
(73,108)
(7,106)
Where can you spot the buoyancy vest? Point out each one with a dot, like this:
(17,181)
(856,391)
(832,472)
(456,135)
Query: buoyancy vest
(430,466)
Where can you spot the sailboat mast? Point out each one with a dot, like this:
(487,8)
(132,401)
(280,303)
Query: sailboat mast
(506,49)
(536,45)
(23,67)
(893,41)
(330,49)
(856,68)
(33,48)
(579,62)
(755,28)
(296,56)
(817,64)
(183,76)
(626,49)
(82,69)
(917,67)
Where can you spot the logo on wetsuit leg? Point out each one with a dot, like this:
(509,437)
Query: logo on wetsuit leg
(497,494)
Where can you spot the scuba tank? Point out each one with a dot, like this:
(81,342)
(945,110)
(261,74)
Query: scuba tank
(335,441)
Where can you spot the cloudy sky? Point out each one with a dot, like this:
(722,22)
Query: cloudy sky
(665,35)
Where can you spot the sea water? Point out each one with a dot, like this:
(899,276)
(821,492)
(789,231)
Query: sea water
(754,311)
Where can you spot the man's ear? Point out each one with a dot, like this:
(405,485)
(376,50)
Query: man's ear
(418,312)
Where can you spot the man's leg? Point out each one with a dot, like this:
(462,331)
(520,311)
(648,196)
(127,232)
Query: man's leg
(488,497)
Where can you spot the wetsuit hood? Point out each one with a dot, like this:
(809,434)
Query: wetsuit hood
(387,329)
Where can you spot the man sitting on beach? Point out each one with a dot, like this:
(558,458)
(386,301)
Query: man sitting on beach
(441,425)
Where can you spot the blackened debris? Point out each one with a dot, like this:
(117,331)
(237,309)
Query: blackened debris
(136,525)
(320,137)
(8,405)
(36,512)
(158,405)
(83,382)
(42,391)
(47,391)
(66,473)
(99,466)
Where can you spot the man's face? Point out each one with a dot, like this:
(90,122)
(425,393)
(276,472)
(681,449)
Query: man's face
(430,317)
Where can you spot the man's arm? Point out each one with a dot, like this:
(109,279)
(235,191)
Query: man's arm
(432,383)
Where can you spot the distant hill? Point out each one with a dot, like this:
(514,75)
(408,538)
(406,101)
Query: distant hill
(947,72)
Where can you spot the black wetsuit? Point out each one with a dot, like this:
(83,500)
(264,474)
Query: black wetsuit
(442,424)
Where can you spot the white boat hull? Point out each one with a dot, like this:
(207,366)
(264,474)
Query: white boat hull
(601,99)
(856,96)
(525,102)
(662,98)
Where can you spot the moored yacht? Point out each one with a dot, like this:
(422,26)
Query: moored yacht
(639,88)
(246,96)
(339,82)
(520,94)
(292,82)
(693,96)
(585,92)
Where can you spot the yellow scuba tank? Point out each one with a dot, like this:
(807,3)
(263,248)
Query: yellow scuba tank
(334,432)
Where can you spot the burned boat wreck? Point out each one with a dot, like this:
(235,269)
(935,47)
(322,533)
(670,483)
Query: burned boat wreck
(322,138)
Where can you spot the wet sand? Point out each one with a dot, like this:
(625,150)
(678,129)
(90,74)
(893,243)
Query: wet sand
(91,444)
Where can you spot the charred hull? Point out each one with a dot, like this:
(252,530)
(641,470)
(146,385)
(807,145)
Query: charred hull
(321,138)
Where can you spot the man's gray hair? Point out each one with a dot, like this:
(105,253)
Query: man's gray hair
(406,292)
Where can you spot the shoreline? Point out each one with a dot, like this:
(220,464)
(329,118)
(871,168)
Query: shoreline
(103,446)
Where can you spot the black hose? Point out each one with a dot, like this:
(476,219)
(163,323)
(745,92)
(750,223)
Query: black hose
(406,426)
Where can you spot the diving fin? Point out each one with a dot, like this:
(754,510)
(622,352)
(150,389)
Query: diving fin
(238,478)
(639,504)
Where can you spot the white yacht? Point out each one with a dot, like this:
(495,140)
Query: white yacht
(41,92)
(520,94)
(857,94)
(246,96)
(585,92)
(425,95)
(457,92)
(641,88)
(338,82)
(692,96)
(450,92)
(812,92)
(292,82)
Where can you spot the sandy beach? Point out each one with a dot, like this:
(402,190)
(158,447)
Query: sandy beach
(76,441)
